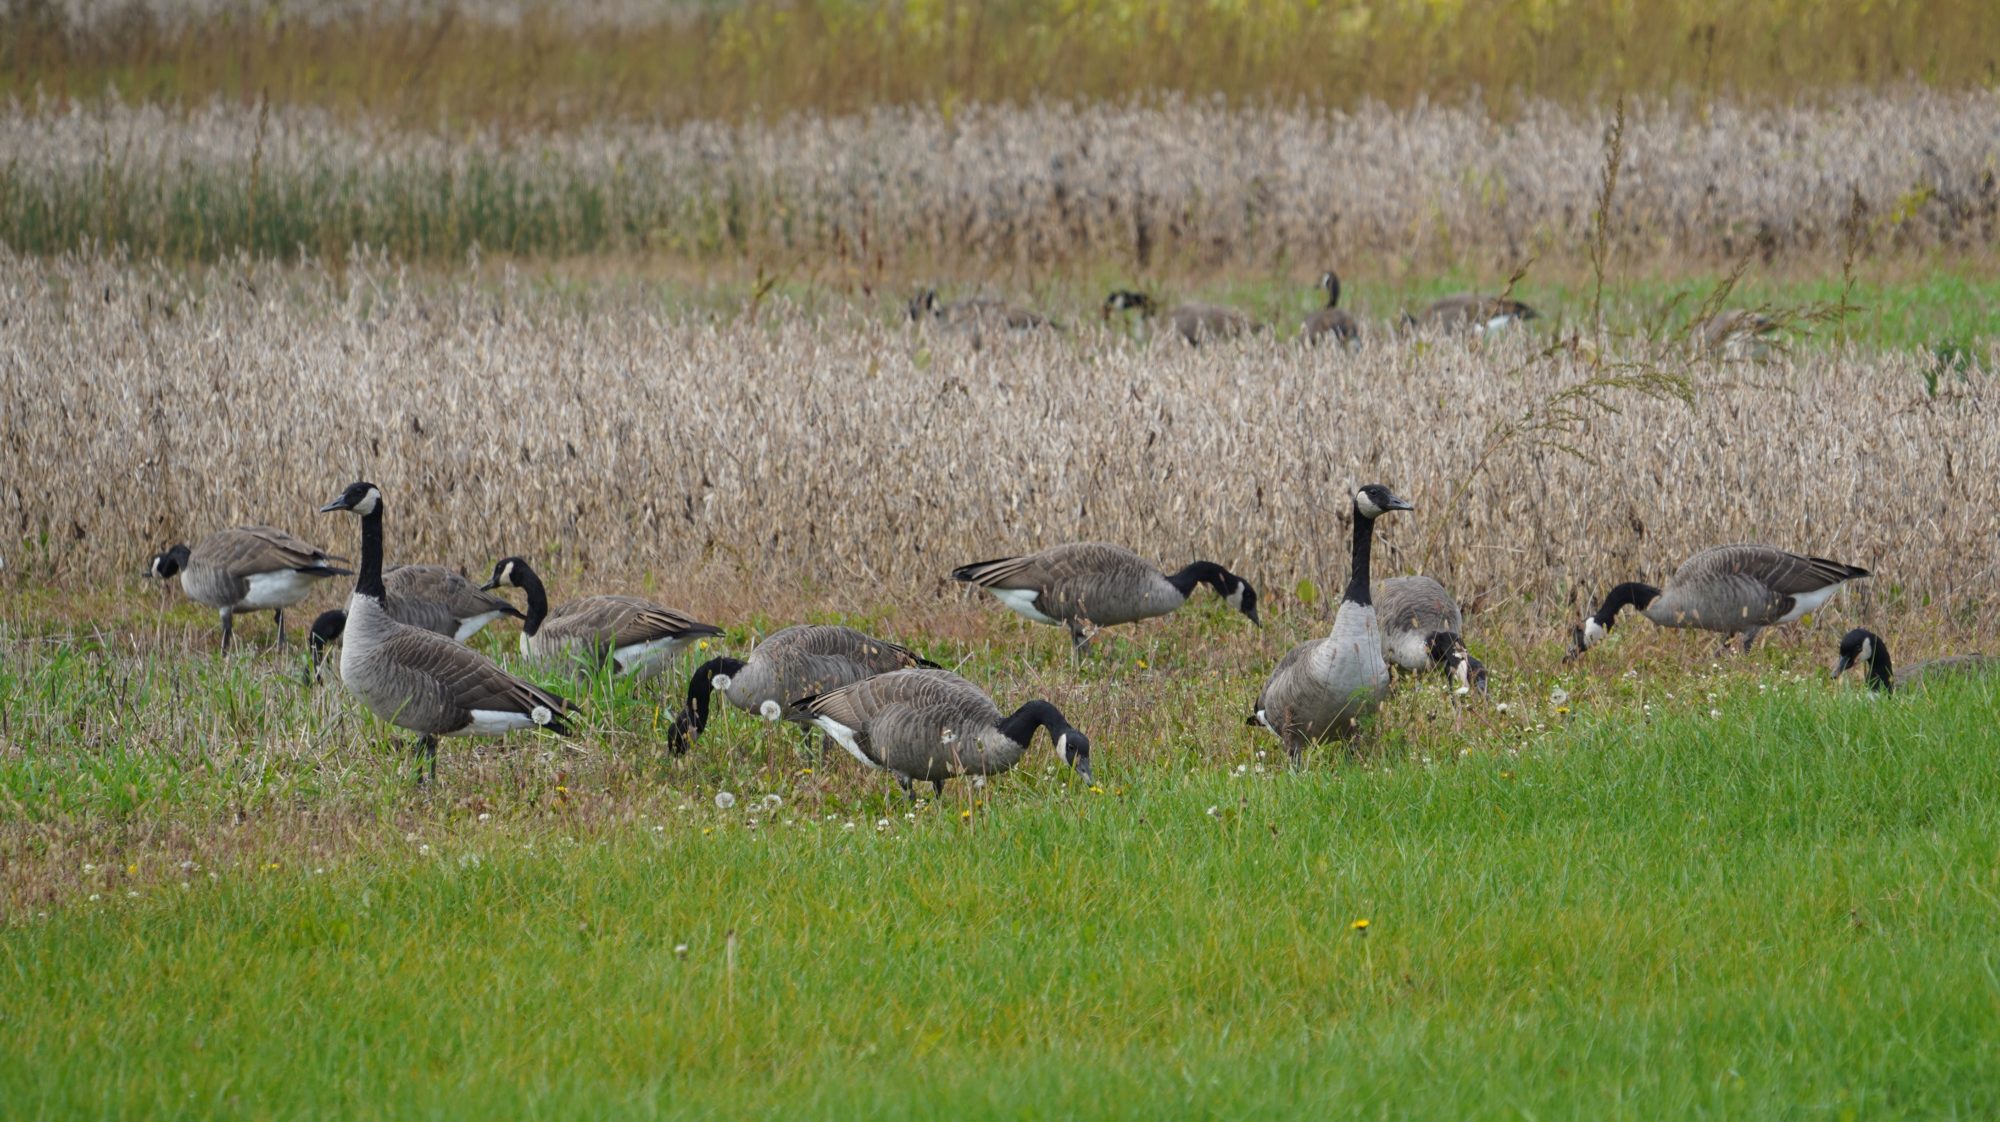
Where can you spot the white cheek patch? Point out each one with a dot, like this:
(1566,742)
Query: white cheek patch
(1366,505)
(1235,599)
(770,710)
(1868,651)
(368,502)
(1592,631)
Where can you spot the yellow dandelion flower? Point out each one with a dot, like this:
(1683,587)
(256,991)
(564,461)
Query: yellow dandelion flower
(1360,926)
(1142,664)
(131,870)
(1562,710)
(965,816)
(272,865)
(1096,790)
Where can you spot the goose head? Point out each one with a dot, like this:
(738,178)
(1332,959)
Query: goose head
(361,497)
(1374,500)
(1866,648)
(508,572)
(1238,594)
(1073,748)
(1126,300)
(168,561)
(923,305)
(1330,281)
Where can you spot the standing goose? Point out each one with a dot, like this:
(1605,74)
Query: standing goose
(1729,589)
(428,596)
(1736,334)
(1322,687)
(932,725)
(247,569)
(1867,648)
(1331,322)
(1194,323)
(793,663)
(1089,585)
(1422,629)
(1467,311)
(420,680)
(639,636)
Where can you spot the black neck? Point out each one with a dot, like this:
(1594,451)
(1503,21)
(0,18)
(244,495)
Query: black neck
(1631,592)
(368,582)
(538,597)
(702,684)
(1881,671)
(1198,572)
(1020,726)
(1333,294)
(1357,577)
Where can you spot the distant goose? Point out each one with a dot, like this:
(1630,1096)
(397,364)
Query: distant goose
(1090,585)
(247,569)
(1468,311)
(1737,334)
(932,725)
(1422,630)
(1331,322)
(420,680)
(1729,589)
(790,664)
(1867,648)
(428,596)
(639,636)
(974,312)
(1321,688)
(1194,323)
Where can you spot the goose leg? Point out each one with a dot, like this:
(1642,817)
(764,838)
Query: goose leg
(1748,637)
(427,759)
(228,619)
(280,614)
(909,787)
(937,790)
(1295,747)
(1081,632)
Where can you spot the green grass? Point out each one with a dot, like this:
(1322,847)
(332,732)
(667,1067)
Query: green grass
(1784,909)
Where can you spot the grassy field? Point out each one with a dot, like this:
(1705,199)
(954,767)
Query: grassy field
(1684,891)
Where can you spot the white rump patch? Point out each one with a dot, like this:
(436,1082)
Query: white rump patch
(644,658)
(847,738)
(495,722)
(281,589)
(770,710)
(1496,323)
(471,626)
(1809,602)
(1022,601)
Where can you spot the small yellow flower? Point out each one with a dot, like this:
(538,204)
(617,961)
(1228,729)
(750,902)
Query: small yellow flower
(1360,926)
(702,646)
(561,790)
(965,816)
(1096,790)
(707,830)
(1562,710)
(273,865)
(1142,664)
(131,870)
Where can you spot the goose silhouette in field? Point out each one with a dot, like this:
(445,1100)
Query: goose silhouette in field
(793,663)
(1422,629)
(932,725)
(1322,688)
(975,313)
(1736,335)
(1467,311)
(420,680)
(1866,649)
(1331,324)
(1732,590)
(1088,586)
(1193,323)
(247,569)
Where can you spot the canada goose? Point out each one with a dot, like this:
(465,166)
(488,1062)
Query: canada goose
(1736,334)
(790,664)
(420,680)
(932,725)
(247,569)
(1331,322)
(1867,648)
(1422,629)
(1322,687)
(976,312)
(1729,589)
(1194,323)
(1088,585)
(428,596)
(639,636)
(326,629)
(1468,311)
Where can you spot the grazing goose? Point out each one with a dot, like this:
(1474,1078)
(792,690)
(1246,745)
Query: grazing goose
(1422,629)
(1729,589)
(1332,322)
(326,630)
(420,680)
(1194,323)
(932,725)
(428,596)
(639,636)
(1468,311)
(247,569)
(1736,334)
(974,313)
(1088,585)
(1867,648)
(1321,688)
(793,663)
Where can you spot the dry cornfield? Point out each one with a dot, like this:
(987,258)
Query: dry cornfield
(857,200)
(850,462)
